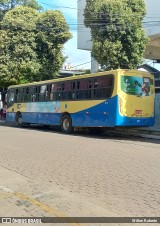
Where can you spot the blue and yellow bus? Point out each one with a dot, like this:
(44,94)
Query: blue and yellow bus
(114,98)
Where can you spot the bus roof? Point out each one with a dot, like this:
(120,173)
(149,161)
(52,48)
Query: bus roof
(80,77)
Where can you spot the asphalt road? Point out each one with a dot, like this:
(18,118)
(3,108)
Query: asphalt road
(46,173)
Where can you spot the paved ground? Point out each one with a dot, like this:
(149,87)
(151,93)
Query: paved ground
(46,173)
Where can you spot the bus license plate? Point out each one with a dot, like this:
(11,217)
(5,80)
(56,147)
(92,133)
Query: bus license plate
(138,112)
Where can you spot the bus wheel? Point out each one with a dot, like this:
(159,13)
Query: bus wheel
(66,124)
(19,119)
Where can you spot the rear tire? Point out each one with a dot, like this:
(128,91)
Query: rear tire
(66,124)
(19,119)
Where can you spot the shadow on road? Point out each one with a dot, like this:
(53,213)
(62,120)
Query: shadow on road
(83,133)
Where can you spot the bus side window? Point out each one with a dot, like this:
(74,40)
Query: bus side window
(33,98)
(78,84)
(11,98)
(42,92)
(32,94)
(102,87)
(95,83)
(53,94)
(27,95)
(73,93)
(89,84)
(82,91)
(62,85)
(36,92)
(66,93)
(17,96)
(48,91)
(73,85)
(58,91)
(89,90)
(78,91)
(24,95)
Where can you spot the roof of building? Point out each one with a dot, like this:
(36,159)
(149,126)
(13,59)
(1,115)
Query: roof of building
(151,70)
(154,71)
(67,73)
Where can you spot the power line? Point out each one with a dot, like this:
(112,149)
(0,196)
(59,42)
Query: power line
(145,23)
(82,64)
(55,6)
(66,7)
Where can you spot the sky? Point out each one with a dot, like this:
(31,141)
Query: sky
(75,57)
(69,10)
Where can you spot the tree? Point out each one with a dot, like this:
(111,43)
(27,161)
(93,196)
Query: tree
(18,59)
(53,32)
(6,5)
(118,39)
(31,45)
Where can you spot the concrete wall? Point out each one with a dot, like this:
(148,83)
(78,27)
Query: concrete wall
(152,27)
(153,12)
(84,35)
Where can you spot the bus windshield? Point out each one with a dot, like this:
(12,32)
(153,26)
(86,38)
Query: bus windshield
(138,86)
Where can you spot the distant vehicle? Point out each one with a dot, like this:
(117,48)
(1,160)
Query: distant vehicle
(114,98)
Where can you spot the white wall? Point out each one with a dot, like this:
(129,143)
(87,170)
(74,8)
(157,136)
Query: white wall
(153,15)
(84,36)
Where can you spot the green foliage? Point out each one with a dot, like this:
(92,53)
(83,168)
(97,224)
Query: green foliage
(118,39)
(53,32)
(6,5)
(87,71)
(32,4)
(31,45)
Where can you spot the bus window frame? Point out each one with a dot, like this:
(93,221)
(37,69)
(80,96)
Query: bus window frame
(11,103)
(57,95)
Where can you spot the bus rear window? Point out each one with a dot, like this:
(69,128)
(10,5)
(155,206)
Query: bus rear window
(138,86)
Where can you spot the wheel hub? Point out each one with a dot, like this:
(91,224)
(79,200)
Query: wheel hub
(19,121)
(66,124)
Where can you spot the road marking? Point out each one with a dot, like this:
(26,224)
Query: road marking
(39,204)
(5,189)
(43,206)
(7,193)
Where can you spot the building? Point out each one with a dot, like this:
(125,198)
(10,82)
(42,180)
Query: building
(68,73)
(151,25)
(155,72)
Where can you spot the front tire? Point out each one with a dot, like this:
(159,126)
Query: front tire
(19,119)
(66,124)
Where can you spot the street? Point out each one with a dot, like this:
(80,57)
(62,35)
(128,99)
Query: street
(46,173)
